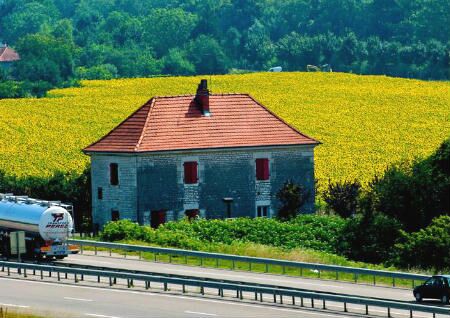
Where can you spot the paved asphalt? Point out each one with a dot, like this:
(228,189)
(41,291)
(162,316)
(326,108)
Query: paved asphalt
(61,300)
(279,280)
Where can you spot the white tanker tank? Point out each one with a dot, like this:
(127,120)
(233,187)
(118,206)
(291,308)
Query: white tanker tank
(47,225)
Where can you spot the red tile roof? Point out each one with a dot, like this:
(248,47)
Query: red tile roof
(177,123)
(8,55)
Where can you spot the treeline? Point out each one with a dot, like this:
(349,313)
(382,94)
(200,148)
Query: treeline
(63,40)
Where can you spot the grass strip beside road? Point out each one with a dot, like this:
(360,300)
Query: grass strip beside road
(255,250)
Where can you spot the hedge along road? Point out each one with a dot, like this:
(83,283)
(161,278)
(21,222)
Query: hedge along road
(131,263)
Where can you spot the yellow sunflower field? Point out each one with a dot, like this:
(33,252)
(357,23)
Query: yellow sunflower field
(364,123)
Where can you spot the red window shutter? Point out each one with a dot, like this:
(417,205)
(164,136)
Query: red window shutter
(262,169)
(190,172)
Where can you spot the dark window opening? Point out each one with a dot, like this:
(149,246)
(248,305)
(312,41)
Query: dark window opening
(157,218)
(115,215)
(114,174)
(100,193)
(262,169)
(262,211)
(190,172)
(192,214)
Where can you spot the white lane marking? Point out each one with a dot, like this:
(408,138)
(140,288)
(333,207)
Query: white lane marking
(170,296)
(86,261)
(102,316)
(199,313)
(78,299)
(12,305)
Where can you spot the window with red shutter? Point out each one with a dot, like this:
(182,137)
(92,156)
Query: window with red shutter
(114,174)
(262,169)
(190,172)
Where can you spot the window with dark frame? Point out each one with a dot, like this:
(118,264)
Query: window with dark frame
(262,211)
(114,174)
(100,193)
(115,215)
(190,172)
(262,169)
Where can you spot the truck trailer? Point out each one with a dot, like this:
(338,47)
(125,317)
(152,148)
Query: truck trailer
(47,226)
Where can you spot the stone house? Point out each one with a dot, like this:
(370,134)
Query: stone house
(207,155)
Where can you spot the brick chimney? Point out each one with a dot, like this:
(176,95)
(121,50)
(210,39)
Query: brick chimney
(202,97)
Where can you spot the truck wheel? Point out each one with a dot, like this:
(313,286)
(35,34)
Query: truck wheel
(418,297)
(444,299)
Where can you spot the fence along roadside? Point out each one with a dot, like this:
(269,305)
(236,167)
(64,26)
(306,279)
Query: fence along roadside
(356,272)
(46,271)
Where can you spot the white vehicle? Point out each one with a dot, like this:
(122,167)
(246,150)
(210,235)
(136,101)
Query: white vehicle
(276,69)
(47,226)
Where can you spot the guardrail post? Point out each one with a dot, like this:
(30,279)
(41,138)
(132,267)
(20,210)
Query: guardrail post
(240,294)
(155,256)
(110,281)
(42,274)
(312,302)
(261,297)
(274,297)
(217,262)
(202,290)
(301,271)
(170,258)
(165,286)
(128,283)
(140,255)
(110,251)
(345,307)
(59,276)
(323,304)
(389,312)
(393,281)
(125,254)
(337,275)
(301,302)
(49,273)
(185,259)
(284,269)
(256,295)
(81,248)
(374,280)
(293,300)
(410,313)
(355,277)
(95,250)
(9,271)
(318,273)
(24,272)
(281,298)
(267,268)
(367,309)
(201,261)
(75,278)
(249,266)
(98,279)
(413,284)
(232,264)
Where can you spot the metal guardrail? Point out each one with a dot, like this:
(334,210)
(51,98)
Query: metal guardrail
(254,260)
(241,290)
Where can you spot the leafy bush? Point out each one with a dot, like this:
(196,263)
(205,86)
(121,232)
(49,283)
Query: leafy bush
(342,197)
(428,248)
(415,194)
(308,231)
(292,197)
(369,238)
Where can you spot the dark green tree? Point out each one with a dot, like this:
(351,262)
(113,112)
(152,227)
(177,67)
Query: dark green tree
(292,197)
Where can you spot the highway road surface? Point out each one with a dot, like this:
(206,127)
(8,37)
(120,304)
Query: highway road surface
(69,300)
(279,280)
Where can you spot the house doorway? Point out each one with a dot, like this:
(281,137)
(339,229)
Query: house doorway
(157,218)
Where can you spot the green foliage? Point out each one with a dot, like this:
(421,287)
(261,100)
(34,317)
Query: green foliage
(415,194)
(145,38)
(102,72)
(342,197)
(66,187)
(369,238)
(44,58)
(428,248)
(292,197)
(307,231)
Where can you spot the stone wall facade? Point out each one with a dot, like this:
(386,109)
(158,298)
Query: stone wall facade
(154,182)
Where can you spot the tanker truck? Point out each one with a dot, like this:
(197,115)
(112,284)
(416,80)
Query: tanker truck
(47,226)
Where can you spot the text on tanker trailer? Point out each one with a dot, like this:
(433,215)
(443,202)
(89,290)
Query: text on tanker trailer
(47,226)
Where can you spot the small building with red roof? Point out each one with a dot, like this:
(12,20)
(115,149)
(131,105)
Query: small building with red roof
(207,155)
(7,56)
